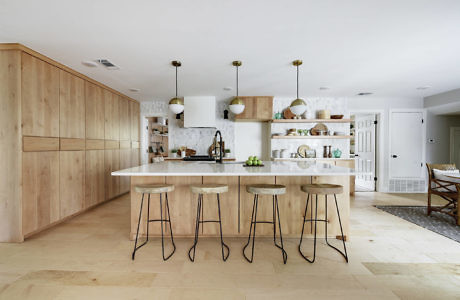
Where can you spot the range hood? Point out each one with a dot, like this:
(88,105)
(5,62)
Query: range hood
(200,111)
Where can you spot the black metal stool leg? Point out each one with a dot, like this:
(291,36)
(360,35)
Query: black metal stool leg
(253,223)
(197,229)
(148,216)
(281,234)
(170,229)
(315,220)
(304,221)
(345,255)
(137,233)
(221,238)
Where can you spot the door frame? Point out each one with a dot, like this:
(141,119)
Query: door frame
(451,146)
(379,140)
(408,110)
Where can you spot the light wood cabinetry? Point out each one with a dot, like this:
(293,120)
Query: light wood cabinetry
(40,201)
(135,115)
(125,163)
(71,106)
(54,140)
(125,120)
(94,178)
(95,115)
(112,116)
(111,164)
(72,182)
(39,97)
(257,108)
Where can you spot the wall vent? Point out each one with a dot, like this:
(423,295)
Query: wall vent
(407,186)
(108,64)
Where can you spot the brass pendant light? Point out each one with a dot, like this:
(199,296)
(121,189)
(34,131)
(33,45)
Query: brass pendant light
(298,106)
(176,104)
(237,105)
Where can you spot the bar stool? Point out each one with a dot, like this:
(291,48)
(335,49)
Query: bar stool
(321,189)
(155,189)
(207,189)
(265,189)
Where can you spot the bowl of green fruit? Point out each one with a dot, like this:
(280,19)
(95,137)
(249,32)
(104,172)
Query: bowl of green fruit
(253,161)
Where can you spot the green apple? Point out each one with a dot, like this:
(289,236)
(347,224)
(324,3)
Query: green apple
(259,162)
(249,162)
(251,158)
(256,158)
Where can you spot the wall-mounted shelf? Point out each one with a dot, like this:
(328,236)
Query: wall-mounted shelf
(311,121)
(307,137)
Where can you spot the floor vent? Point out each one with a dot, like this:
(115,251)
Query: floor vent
(407,186)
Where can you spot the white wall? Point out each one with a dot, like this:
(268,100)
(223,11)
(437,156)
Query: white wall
(438,129)
(383,104)
(251,138)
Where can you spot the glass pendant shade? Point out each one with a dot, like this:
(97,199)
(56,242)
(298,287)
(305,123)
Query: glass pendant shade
(298,107)
(236,106)
(176,106)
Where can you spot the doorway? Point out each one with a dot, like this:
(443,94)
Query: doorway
(363,147)
(455,146)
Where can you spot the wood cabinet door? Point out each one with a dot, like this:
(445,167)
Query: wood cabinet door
(40,97)
(71,106)
(125,163)
(125,120)
(112,115)
(248,113)
(111,164)
(94,178)
(72,182)
(135,115)
(40,190)
(263,108)
(135,158)
(94,108)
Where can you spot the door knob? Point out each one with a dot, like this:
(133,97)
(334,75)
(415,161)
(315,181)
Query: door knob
(394,156)
(356,155)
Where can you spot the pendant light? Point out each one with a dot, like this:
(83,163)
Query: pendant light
(237,105)
(298,106)
(176,105)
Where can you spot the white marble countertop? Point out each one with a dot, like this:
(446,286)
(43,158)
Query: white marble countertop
(270,168)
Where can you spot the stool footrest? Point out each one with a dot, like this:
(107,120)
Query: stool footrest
(317,220)
(209,221)
(159,220)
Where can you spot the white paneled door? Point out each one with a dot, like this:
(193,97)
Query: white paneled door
(406,151)
(365,152)
(455,146)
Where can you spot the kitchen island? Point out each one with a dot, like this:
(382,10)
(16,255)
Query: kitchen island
(236,204)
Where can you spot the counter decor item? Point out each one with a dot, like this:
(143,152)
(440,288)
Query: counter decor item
(324,151)
(302,150)
(337,153)
(278,116)
(287,114)
(324,114)
(310,153)
(329,153)
(336,117)
(276,154)
(253,161)
(227,152)
(284,153)
(292,131)
(339,133)
(298,106)
(319,129)
(174,153)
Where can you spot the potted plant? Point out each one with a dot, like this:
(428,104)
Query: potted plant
(227,152)
(174,153)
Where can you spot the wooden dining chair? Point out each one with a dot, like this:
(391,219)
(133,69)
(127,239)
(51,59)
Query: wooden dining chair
(447,190)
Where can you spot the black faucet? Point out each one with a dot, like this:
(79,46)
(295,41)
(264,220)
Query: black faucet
(219,160)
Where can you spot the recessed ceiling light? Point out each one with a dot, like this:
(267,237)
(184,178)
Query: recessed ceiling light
(364,94)
(134,90)
(89,63)
(423,87)
(324,88)
(228,88)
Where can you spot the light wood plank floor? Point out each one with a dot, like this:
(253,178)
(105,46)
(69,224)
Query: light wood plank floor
(88,257)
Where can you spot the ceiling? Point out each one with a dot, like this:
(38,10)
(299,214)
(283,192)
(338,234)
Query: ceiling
(386,47)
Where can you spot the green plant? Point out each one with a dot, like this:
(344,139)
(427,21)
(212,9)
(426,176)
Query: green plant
(174,151)
(227,151)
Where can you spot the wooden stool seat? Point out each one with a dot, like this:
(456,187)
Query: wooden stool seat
(322,189)
(154,188)
(209,188)
(266,189)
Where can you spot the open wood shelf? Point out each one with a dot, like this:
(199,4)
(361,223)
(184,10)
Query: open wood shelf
(311,121)
(306,137)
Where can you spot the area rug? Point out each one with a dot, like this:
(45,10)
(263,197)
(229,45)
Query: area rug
(436,222)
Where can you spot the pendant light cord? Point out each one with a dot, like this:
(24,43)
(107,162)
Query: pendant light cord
(176,81)
(297,82)
(237,81)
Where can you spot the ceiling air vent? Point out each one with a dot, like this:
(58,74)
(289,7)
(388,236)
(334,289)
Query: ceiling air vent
(108,64)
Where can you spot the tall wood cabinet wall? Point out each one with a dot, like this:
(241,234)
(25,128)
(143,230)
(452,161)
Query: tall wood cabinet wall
(62,136)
